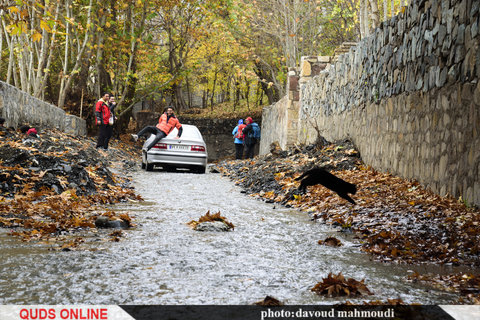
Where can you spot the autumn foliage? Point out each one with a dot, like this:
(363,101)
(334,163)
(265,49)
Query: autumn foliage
(55,186)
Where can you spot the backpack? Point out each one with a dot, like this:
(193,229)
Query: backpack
(239,134)
(255,132)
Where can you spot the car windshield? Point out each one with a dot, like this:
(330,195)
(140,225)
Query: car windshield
(189,132)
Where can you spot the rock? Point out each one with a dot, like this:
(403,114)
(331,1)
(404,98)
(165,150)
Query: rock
(101,222)
(441,78)
(306,69)
(56,188)
(117,224)
(214,169)
(460,53)
(474,29)
(475,8)
(442,32)
(277,151)
(460,34)
(212,226)
(269,301)
(105,222)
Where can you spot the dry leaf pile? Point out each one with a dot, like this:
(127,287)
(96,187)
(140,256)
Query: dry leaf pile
(331,242)
(56,184)
(210,218)
(338,285)
(467,284)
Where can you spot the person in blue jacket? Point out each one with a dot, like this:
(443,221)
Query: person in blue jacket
(238,134)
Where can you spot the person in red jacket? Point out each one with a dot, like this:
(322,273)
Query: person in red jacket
(102,115)
(166,123)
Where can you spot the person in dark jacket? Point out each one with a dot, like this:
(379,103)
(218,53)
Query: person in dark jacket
(166,123)
(102,116)
(249,138)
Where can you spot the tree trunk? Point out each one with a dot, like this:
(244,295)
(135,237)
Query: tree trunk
(247,92)
(130,86)
(257,95)
(104,82)
(273,94)
(67,83)
(227,90)
(40,88)
(212,98)
(189,93)
(385,10)
(236,97)
(204,99)
(374,14)
(366,27)
(177,97)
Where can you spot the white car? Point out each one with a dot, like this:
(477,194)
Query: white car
(190,151)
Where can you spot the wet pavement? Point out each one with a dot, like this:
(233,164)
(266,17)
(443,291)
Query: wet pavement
(272,251)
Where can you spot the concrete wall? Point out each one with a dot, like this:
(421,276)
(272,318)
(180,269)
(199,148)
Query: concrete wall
(280,120)
(409,98)
(18,108)
(274,125)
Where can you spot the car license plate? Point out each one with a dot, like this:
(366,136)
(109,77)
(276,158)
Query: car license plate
(178,147)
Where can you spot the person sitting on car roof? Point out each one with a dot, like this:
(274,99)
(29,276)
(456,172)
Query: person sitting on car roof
(166,123)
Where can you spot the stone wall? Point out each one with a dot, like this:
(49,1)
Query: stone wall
(18,107)
(408,96)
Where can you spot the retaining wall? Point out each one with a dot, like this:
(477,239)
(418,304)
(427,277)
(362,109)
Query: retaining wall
(18,107)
